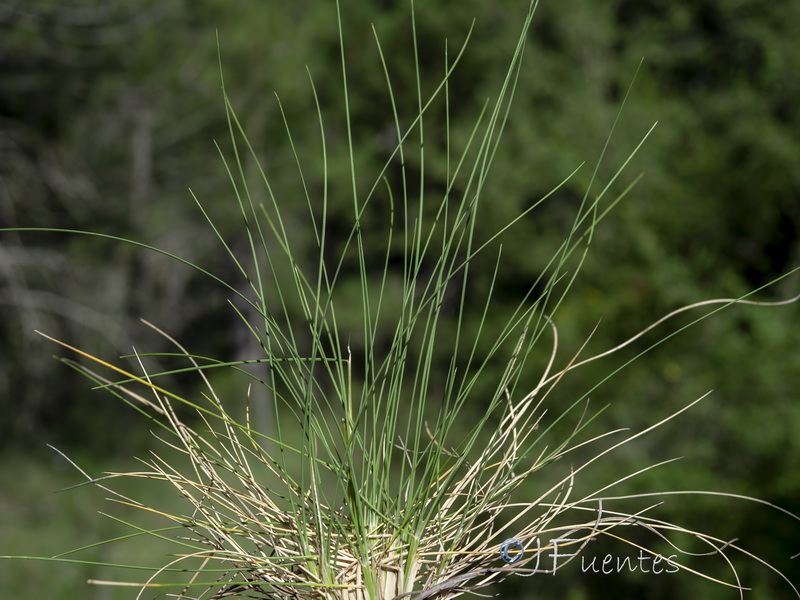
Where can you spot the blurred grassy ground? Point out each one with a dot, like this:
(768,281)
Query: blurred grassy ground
(35,521)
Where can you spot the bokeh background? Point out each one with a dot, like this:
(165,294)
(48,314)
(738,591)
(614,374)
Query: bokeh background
(109,111)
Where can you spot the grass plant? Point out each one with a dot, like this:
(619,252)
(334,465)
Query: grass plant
(370,486)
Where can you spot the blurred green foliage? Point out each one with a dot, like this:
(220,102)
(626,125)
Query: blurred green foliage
(108,113)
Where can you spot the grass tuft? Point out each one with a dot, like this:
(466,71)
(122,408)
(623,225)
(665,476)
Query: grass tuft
(371,485)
